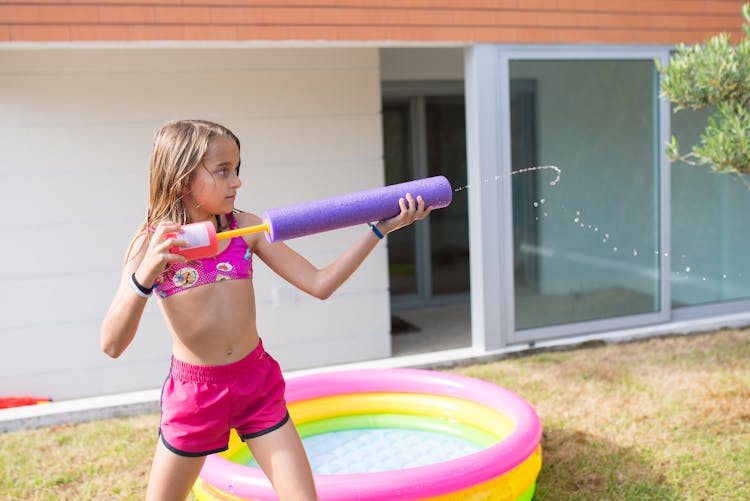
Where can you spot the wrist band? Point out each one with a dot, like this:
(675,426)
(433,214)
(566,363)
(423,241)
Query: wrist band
(139,289)
(376,231)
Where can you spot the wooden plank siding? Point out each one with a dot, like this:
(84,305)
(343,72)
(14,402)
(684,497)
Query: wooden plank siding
(412,21)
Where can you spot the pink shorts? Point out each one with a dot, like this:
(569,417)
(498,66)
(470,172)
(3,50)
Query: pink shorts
(199,404)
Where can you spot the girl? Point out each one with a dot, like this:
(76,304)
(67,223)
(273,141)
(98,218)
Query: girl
(220,377)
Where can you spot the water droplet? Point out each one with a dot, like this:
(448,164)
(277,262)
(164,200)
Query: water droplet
(614,249)
(545,214)
(542,201)
(596,228)
(666,254)
(724,275)
(687,269)
(576,220)
(536,204)
(703,278)
(635,252)
(542,167)
(606,235)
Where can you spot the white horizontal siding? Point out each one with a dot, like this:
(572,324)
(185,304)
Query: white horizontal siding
(75,130)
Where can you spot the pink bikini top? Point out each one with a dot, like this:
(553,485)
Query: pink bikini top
(233,263)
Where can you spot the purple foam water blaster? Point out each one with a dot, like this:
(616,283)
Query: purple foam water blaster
(354,208)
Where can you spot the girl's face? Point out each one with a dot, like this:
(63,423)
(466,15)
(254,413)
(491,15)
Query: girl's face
(215,182)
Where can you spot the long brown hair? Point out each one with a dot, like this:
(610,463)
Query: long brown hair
(179,148)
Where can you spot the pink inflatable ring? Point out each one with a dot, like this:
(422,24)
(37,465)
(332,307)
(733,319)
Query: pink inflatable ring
(506,469)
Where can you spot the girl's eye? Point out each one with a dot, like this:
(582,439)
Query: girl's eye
(225,172)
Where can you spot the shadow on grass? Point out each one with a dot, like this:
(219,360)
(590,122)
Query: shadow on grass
(579,465)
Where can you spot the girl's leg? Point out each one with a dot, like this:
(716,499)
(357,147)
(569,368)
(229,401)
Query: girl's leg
(172,475)
(282,458)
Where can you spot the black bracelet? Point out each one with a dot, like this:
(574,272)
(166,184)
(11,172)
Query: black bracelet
(140,289)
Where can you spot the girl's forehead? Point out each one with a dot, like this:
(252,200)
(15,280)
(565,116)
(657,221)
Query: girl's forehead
(222,147)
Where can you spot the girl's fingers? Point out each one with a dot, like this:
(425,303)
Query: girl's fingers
(175,258)
(412,204)
(174,242)
(164,228)
(402,205)
(422,212)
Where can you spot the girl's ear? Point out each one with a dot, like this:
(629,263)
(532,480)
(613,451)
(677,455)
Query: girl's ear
(185,189)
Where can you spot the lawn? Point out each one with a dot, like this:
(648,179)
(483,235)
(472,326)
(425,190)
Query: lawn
(666,418)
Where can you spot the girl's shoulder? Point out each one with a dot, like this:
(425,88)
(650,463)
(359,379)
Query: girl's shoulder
(245,219)
(137,245)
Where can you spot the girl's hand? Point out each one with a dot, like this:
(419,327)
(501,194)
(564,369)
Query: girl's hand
(157,256)
(411,210)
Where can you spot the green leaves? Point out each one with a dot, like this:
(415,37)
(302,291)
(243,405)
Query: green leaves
(725,144)
(715,74)
(701,75)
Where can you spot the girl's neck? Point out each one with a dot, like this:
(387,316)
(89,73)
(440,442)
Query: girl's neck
(198,216)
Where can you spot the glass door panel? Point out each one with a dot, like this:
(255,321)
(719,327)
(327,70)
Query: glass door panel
(587,247)
(398,159)
(425,136)
(449,230)
(709,228)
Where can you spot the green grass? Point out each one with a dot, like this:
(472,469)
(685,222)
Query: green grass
(663,419)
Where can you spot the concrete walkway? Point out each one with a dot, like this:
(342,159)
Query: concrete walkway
(142,402)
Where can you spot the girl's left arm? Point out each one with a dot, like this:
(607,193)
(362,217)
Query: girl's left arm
(321,283)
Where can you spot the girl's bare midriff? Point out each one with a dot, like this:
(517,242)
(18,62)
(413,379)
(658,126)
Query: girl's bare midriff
(213,324)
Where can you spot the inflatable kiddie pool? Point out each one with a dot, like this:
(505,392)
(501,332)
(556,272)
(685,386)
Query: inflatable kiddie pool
(434,436)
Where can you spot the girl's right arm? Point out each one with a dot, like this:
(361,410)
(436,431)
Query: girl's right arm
(146,259)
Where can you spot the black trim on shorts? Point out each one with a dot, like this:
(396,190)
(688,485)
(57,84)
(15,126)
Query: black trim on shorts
(189,454)
(267,430)
(161,398)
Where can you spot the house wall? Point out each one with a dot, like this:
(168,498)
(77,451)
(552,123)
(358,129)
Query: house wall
(75,130)
(501,21)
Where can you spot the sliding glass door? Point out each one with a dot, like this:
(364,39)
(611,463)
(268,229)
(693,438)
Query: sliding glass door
(710,268)
(424,135)
(586,246)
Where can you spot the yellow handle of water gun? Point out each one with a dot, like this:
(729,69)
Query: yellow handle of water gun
(265,226)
